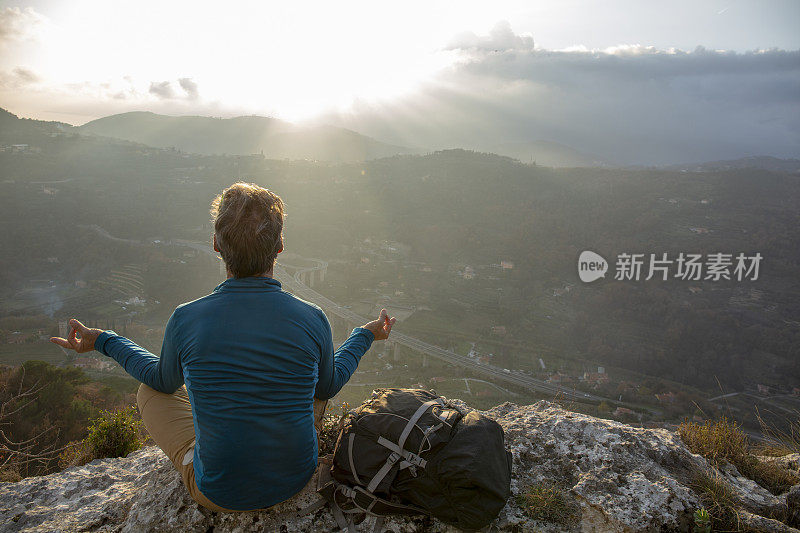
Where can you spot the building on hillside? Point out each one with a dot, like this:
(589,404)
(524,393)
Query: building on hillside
(92,363)
(763,389)
(17,337)
(498,330)
(666,397)
(558,377)
(595,378)
(624,411)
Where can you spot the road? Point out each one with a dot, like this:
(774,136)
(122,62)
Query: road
(297,287)
(762,399)
(294,285)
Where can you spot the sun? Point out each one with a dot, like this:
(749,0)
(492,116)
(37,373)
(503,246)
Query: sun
(291,60)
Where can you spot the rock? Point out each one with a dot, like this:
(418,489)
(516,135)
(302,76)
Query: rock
(753,522)
(753,496)
(790,461)
(793,505)
(614,477)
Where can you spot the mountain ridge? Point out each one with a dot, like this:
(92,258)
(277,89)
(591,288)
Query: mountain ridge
(243,135)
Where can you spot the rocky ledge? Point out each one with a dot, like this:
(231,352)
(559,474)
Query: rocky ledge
(610,477)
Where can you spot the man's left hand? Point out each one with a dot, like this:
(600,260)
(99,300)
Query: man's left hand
(381,327)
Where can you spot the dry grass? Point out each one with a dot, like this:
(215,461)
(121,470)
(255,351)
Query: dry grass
(780,442)
(718,498)
(723,440)
(715,440)
(331,426)
(546,502)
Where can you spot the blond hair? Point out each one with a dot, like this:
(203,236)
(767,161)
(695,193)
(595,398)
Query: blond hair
(248,221)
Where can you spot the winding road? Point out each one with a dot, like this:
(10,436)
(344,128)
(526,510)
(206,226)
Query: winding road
(295,285)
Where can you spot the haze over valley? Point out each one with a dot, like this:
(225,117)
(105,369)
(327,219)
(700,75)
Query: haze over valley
(593,203)
(474,252)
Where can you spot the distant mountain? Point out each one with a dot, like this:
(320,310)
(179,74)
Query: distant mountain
(242,135)
(15,130)
(761,162)
(549,154)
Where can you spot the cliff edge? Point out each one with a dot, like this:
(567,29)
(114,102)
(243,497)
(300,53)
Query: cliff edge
(601,476)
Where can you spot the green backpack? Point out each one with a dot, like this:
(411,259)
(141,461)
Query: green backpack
(409,451)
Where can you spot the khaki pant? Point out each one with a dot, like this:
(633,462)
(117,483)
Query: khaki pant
(168,419)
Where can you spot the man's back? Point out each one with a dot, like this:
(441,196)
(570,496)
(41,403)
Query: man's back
(252,357)
(252,390)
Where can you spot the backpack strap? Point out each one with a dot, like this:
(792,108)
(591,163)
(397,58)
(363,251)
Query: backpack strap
(350,441)
(397,452)
(375,505)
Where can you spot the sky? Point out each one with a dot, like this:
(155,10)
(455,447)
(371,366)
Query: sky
(632,81)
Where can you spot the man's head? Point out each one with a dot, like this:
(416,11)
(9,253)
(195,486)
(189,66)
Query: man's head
(248,221)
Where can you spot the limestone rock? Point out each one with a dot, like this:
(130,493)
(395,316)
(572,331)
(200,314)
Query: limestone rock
(615,477)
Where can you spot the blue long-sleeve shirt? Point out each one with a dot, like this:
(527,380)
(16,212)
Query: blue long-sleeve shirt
(253,358)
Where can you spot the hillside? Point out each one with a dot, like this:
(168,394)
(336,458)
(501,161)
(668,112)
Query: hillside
(22,130)
(242,135)
(773,164)
(402,231)
(607,477)
(549,154)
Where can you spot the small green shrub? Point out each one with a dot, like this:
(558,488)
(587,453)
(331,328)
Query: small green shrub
(719,500)
(702,521)
(9,474)
(115,433)
(77,454)
(546,502)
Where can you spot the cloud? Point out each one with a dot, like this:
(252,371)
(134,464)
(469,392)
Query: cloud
(628,103)
(501,38)
(19,24)
(190,87)
(18,78)
(26,76)
(162,90)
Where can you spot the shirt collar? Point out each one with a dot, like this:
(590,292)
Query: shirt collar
(251,283)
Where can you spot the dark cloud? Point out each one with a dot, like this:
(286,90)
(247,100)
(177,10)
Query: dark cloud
(162,89)
(190,87)
(631,104)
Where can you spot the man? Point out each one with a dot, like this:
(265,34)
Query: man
(237,396)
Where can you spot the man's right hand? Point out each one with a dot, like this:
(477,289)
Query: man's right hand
(80,338)
(381,327)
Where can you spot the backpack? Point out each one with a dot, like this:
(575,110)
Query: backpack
(410,451)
